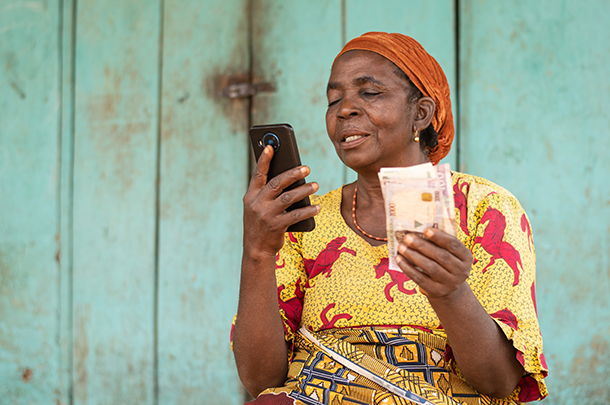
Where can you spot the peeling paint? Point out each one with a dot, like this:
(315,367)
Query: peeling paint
(233,109)
(81,353)
(586,376)
(18,90)
(27,375)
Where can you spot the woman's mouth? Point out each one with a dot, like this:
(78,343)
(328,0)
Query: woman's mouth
(353,140)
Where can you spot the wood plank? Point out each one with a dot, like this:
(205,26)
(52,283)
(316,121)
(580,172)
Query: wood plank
(204,174)
(431,23)
(66,194)
(535,96)
(294,45)
(30,354)
(115,153)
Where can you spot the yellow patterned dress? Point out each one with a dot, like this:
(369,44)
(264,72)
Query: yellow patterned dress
(360,334)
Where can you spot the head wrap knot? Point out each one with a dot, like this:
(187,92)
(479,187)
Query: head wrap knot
(425,73)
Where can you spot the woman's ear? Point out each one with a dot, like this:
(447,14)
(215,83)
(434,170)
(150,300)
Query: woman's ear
(425,112)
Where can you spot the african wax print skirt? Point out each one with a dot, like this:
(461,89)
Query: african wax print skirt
(373,365)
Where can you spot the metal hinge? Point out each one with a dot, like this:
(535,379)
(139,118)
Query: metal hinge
(240,90)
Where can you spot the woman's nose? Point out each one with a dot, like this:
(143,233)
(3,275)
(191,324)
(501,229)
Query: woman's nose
(348,108)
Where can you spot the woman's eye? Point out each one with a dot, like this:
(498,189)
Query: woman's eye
(331,103)
(371,93)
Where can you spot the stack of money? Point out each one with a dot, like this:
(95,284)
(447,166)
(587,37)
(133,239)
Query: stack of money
(416,198)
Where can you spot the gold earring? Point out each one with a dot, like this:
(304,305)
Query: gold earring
(416,137)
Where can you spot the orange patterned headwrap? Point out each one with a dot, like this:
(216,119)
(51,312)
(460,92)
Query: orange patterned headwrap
(425,73)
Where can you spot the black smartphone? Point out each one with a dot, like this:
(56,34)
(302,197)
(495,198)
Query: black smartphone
(285,157)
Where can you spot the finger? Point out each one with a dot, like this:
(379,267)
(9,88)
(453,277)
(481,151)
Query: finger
(418,277)
(448,242)
(259,176)
(423,264)
(294,216)
(276,185)
(433,251)
(286,199)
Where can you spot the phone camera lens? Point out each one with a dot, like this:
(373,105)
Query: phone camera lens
(271,139)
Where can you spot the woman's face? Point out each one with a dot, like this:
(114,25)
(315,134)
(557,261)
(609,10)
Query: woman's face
(369,117)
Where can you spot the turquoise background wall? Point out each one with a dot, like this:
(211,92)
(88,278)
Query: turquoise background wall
(122,171)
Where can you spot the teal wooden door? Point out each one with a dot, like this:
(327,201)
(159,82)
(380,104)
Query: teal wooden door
(158,179)
(534,98)
(203,169)
(114,205)
(121,176)
(33,325)
(122,171)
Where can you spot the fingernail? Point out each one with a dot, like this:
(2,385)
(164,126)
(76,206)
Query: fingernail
(409,239)
(304,169)
(402,248)
(398,259)
(315,186)
(429,232)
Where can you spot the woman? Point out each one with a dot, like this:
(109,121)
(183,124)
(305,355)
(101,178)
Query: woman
(457,326)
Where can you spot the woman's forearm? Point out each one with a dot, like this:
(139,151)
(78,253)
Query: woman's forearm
(440,265)
(258,338)
(260,350)
(483,353)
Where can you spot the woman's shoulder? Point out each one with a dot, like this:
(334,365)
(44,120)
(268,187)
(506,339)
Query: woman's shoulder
(478,199)
(477,188)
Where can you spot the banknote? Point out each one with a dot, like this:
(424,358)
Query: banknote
(443,172)
(416,198)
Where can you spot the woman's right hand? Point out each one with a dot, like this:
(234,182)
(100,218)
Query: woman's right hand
(265,216)
(260,350)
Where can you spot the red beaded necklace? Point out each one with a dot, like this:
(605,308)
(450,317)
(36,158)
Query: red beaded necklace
(356,223)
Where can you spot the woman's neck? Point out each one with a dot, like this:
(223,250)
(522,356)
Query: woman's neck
(369,192)
(370,209)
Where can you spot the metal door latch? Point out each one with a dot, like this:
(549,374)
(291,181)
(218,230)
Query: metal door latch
(240,90)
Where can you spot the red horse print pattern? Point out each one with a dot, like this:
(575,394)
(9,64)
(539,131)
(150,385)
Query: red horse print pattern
(529,387)
(331,323)
(326,258)
(277,265)
(293,307)
(525,226)
(492,243)
(533,291)
(506,316)
(543,361)
(459,195)
(398,279)
(521,357)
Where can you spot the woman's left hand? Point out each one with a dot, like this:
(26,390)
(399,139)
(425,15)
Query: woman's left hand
(439,265)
